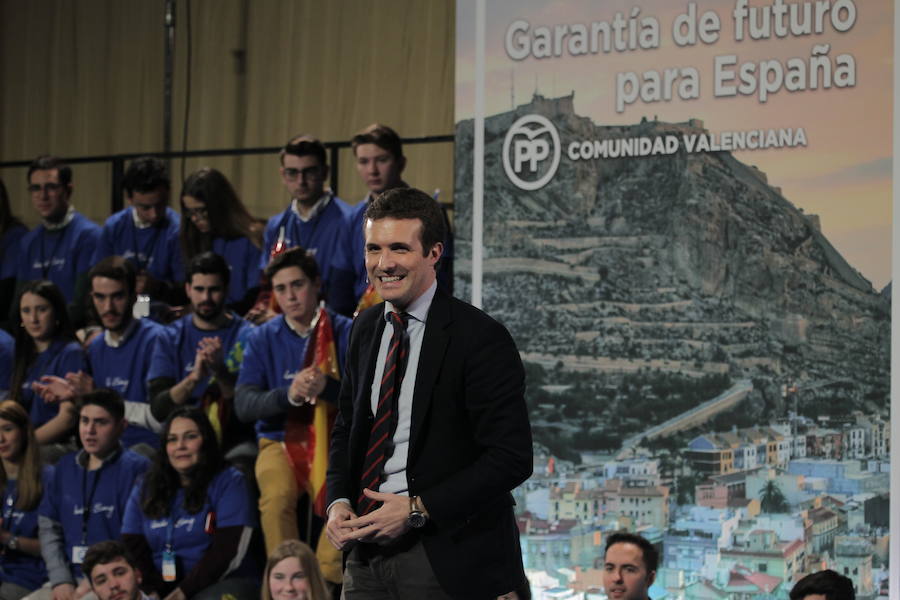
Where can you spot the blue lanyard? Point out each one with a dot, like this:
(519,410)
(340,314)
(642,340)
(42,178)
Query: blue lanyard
(87,501)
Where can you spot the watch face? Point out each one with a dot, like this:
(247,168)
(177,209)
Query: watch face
(416,520)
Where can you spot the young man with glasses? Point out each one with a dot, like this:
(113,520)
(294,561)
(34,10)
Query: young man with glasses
(62,247)
(315,220)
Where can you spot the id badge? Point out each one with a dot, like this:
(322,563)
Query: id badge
(78,553)
(168,565)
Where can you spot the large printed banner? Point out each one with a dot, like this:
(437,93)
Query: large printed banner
(685,222)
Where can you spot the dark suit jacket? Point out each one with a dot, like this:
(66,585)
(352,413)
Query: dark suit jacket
(470,442)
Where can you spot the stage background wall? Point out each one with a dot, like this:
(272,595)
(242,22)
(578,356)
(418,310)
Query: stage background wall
(86,78)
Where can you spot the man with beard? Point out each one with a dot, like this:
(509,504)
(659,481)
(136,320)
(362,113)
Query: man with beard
(112,572)
(315,220)
(119,357)
(188,363)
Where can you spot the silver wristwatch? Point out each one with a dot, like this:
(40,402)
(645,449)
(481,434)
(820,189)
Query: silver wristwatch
(416,518)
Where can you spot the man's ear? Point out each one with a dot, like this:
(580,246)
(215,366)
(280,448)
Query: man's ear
(401,165)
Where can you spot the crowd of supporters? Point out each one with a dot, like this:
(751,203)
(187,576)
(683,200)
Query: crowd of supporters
(167,380)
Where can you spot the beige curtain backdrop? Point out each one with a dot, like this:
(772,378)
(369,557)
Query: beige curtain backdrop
(85,78)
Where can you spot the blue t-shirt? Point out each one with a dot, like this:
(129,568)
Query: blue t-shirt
(154,249)
(60,358)
(326,237)
(227,504)
(176,348)
(15,566)
(9,243)
(243,259)
(125,369)
(60,256)
(274,354)
(105,491)
(7,358)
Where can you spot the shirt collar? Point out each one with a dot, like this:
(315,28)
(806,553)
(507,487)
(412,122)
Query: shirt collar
(317,208)
(137,221)
(312,324)
(82,457)
(70,214)
(107,336)
(418,310)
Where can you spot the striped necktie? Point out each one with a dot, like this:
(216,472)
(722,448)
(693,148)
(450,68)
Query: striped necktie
(381,435)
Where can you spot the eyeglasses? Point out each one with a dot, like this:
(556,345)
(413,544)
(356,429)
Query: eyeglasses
(292,174)
(201,212)
(50,188)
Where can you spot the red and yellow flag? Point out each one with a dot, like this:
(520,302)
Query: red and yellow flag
(307,429)
(369,298)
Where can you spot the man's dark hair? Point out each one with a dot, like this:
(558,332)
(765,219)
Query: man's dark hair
(305,145)
(208,263)
(410,203)
(103,553)
(117,269)
(145,174)
(293,257)
(105,398)
(834,585)
(382,136)
(48,163)
(651,556)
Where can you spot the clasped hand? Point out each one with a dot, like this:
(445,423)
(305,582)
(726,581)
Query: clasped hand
(381,526)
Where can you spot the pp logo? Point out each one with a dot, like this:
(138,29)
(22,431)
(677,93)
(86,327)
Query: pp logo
(531,140)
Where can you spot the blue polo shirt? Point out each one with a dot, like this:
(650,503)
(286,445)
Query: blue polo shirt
(61,255)
(60,358)
(103,491)
(154,249)
(244,260)
(17,567)
(228,504)
(9,243)
(275,354)
(176,348)
(124,369)
(326,237)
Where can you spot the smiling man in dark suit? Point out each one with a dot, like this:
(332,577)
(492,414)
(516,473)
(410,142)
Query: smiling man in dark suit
(433,430)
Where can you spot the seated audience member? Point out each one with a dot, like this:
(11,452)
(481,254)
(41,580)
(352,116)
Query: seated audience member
(190,522)
(23,481)
(146,233)
(629,567)
(379,157)
(7,359)
(11,232)
(216,220)
(62,247)
(119,358)
(85,501)
(824,585)
(282,374)
(292,573)
(315,220)
(188,363)
(45,345)
(112,572)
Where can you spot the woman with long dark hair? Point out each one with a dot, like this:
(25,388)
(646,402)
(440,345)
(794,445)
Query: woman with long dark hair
(23,481)
(292,573)
(11,231)
(189,524)
(214,219)
(45,345)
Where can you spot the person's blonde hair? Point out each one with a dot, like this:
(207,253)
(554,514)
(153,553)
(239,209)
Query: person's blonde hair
(308,562)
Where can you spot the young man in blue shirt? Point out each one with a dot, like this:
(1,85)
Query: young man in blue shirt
(146,232)
(315,220)
(85,501)
(188,362)
(62,247)
(119,357)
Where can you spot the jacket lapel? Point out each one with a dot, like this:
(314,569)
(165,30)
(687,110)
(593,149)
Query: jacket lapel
(434,346)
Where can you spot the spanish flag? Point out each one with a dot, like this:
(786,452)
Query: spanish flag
(369,298)
(307,431)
